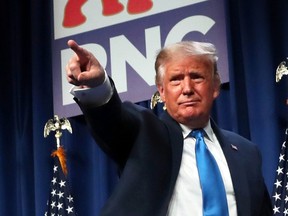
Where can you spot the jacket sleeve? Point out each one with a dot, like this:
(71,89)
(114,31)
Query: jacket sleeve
(113,125)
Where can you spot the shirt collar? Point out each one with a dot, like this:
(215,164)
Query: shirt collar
(208,131)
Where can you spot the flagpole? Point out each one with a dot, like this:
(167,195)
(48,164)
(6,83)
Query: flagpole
(279,194)
(60,201)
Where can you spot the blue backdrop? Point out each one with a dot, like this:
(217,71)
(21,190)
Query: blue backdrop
(252,104)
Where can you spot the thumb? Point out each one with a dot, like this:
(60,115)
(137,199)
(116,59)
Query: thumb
(91,80)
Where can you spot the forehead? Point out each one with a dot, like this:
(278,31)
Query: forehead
(189,62)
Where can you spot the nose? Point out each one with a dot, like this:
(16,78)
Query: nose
(187,86)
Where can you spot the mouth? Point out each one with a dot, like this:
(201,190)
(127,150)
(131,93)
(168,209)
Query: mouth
(189,103)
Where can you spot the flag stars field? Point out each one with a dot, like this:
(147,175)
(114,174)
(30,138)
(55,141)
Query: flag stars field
(60,202)
(280,195)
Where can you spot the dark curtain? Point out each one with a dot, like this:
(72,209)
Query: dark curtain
(252,104)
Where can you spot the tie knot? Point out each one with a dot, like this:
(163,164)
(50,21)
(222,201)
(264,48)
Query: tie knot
(197,133)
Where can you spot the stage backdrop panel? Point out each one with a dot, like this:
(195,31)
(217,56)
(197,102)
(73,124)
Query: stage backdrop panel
(126,35)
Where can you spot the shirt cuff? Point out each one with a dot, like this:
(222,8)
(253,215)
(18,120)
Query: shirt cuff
(96,96)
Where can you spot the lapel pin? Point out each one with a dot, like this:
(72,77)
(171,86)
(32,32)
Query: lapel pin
(234,147)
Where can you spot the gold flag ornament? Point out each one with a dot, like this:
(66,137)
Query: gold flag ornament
(58,125)
(156,99)
(60,201)
(281,70)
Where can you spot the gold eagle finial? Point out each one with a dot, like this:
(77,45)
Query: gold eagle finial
(57,124)
(281,70)
(155,99)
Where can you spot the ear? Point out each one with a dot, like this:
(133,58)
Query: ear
(161,92)
(217,85)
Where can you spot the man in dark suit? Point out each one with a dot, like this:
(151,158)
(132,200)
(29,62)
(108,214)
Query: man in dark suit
(157,155)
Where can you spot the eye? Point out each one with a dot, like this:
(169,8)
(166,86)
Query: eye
(176,80)
(197,77)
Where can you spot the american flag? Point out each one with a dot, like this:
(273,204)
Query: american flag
(280,190)
(60,202)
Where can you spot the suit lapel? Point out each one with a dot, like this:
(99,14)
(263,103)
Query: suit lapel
(176,137)
(234,160)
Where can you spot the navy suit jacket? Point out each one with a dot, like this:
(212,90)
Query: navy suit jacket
(148,150)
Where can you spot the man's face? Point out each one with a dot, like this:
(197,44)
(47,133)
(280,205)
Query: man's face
(188,89)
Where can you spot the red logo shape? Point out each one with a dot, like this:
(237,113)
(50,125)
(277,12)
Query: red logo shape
(73,15)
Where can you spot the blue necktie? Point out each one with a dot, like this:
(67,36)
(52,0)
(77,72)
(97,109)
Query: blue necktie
(213,191)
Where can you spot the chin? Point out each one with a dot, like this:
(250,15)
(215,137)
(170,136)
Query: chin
(194,117)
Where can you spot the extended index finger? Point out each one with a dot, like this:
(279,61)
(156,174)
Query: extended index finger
(83,55)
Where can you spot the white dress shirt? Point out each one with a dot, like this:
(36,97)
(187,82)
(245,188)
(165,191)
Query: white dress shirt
(187,196)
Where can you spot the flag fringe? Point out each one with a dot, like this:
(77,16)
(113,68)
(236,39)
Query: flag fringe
(60,153)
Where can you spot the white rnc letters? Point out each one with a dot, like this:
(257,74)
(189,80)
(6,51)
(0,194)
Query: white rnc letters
(198,23)
(123,52)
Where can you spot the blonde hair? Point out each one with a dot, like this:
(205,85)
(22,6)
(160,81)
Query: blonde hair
(183,48)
